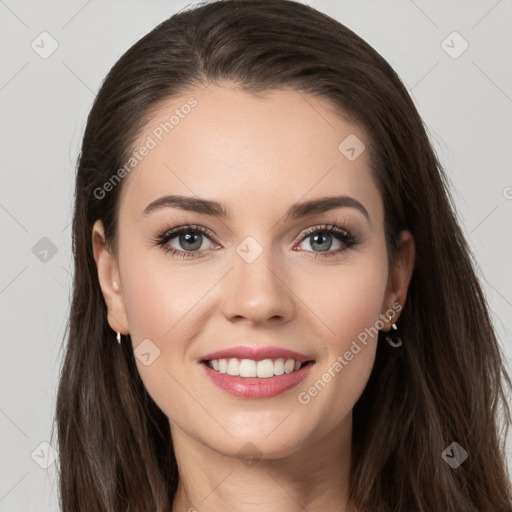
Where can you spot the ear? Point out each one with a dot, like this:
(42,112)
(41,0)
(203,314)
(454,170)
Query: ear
(399,276)
(109,280)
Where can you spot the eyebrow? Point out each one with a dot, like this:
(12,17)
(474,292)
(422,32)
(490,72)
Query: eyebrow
(215,209)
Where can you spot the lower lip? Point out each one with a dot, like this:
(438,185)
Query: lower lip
(254,387)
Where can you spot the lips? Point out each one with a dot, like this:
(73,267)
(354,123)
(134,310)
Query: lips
(254,387)
(265,386)
(257,354)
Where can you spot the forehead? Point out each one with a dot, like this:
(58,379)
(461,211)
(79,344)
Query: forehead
(248,151)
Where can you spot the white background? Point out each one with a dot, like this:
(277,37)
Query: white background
(465,102)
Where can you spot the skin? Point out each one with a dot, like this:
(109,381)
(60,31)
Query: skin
(258,155)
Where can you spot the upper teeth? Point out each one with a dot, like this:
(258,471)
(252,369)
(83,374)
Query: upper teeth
(250,368)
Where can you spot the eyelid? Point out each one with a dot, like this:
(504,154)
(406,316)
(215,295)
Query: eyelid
(172,232)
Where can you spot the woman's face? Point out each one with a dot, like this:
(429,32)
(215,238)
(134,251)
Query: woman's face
(268,273)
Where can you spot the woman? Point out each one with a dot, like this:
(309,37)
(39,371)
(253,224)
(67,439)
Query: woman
(262,224)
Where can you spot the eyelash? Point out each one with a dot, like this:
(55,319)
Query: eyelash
(347,238)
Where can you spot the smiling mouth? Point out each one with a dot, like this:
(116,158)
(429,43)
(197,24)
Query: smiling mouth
(262,369)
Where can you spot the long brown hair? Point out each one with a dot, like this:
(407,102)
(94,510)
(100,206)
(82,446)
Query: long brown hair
(447,383)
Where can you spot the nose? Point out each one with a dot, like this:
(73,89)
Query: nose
(258,291)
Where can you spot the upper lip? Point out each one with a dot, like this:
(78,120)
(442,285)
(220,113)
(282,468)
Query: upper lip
(257,354)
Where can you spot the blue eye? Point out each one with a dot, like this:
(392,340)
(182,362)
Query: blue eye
(320,240)
(191,239)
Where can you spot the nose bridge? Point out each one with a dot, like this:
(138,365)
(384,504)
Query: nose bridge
(256,290)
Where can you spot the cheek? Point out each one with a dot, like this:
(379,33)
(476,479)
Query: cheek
(346,299)
(163,305)
(350,308)
(157,301)
(158,296)
(357,307)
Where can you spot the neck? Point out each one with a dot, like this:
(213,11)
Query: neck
(314,477)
